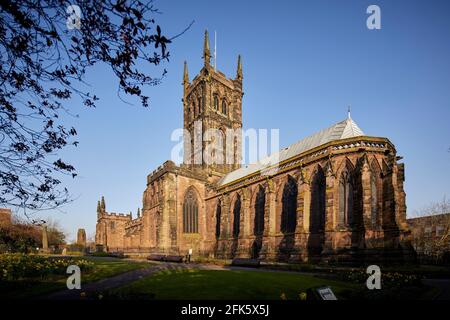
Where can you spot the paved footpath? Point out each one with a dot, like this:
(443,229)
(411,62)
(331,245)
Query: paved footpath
(102,285)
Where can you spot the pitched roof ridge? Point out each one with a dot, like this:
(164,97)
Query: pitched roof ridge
(346,128)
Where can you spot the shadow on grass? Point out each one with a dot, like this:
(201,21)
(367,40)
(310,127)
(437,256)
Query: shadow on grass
(193,284)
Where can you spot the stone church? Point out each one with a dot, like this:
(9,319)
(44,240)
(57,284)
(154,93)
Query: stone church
(336,195)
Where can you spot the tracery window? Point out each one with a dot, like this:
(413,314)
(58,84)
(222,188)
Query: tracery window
(218,218)
(237,216)
(375,192)
(190,212)
(374,202)
(345,199)
(224,106)
(318,197)
(260,204)
(216,102)
(199,105)
(289,206)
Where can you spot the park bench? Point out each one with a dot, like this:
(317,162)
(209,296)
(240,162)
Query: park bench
(178,259)
(167,258)
(244,262)
(156,257)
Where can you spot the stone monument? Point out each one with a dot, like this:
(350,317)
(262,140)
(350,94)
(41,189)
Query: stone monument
(44,239)
(81,238)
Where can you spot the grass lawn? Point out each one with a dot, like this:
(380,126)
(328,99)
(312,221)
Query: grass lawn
(227,284)
(103,268)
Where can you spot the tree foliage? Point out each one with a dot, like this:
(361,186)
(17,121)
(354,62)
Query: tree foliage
(43,64)
(25,236)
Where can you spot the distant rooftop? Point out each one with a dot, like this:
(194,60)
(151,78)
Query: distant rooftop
(341,130)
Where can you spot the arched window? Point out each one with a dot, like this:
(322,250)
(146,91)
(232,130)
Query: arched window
(289,210)
(375,193)
(224,106)
(318,196)
(193,109)
(345,199)
(216,102)
(190,212)
(237,216)
(236,157)
(199,105)
(218,218)
(260,204)
(374,201)
(222,147)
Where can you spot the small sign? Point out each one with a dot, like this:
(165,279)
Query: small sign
(326,293)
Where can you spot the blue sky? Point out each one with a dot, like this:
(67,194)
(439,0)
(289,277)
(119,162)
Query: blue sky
(304,62)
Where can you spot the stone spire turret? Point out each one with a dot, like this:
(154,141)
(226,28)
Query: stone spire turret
(185,74)
(99,210)
(206,51)
(139,213)
(103,206)
(239,69)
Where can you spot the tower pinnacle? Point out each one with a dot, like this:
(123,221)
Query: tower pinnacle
(239,69)
(185,74)
(206,52)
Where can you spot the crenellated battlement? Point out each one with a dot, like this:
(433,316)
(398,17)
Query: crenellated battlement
(168,166)
(133,223)
(118,215)
(103,214)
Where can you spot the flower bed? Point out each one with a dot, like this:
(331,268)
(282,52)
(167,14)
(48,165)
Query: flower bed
(388,279)
(21,266)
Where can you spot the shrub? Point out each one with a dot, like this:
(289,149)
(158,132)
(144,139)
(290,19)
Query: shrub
(389,279)
(18,266)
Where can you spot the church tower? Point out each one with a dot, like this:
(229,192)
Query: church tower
(212,106)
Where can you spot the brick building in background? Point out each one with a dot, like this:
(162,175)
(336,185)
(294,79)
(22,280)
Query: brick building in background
(335,195)
(431,237)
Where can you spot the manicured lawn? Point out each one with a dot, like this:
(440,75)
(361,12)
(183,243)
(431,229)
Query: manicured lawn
(30,288)
(227,284)
(108,267)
